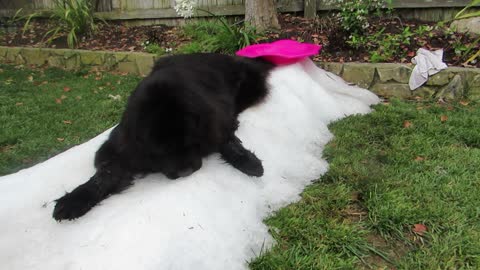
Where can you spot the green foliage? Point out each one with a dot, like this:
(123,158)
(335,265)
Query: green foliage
(461,14)
(71,18)
(354,14)
(381,46)
(218,36)
(424,30)
(465,50)
(155,48)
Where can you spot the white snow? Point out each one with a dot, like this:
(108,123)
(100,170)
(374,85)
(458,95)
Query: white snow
(209,220)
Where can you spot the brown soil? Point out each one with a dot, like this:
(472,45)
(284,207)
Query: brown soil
(325,31)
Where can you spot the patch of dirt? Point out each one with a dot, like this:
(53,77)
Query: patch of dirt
(109,37)
(394,250)
(324,30)
(327,32)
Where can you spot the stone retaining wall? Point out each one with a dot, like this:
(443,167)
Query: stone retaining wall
(390,80)
(384,79)
(135,63)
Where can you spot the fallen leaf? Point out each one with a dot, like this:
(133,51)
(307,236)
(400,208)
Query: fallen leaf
(116,97)
(411,54)
(30,78)
(63,97)
(60,139)
(443,118)
(66,89)
(58,101)
(419,229)
(19,104)
(464,103)
(419,158)
(67,122)
(407,124)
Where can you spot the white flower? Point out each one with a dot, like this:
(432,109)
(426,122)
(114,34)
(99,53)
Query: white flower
(185,8)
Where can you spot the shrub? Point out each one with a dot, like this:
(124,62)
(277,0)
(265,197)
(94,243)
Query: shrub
(354,14)
(72,18)
(218,36)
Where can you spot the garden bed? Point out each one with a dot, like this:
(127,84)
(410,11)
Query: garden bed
(401,39)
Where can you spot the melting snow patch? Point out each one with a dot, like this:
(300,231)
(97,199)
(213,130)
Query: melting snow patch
(209,220)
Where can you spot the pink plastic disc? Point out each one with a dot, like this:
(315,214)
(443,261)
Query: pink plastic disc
(281,52)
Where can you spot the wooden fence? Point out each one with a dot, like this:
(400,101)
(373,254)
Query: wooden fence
(163,9)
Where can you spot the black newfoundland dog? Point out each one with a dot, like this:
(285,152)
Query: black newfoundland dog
(184,110)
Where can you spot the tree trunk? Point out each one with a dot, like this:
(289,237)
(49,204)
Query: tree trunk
(102,5)
(261,14)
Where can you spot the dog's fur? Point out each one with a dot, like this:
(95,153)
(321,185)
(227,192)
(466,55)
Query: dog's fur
(184,110)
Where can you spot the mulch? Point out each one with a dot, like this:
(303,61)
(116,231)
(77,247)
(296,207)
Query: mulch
(324,30)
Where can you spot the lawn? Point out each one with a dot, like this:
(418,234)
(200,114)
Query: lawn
(402,191)
(46,111)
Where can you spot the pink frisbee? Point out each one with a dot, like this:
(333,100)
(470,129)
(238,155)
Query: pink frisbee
(281,52)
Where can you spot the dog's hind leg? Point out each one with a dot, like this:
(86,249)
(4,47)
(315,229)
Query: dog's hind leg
(242,159)
(107,180)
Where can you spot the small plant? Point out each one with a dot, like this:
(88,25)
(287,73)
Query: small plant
(392,45)
(354,14)
(424,29)
(461,15)
(154,48)
(381,46)
(72,18)
(218,36)
(214,36)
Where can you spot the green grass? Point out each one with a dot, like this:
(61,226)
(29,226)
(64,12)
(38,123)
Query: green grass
(396,167)
(46,111)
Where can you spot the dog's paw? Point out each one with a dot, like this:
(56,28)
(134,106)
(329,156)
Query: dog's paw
(242,159)
(72,206)
(250,165)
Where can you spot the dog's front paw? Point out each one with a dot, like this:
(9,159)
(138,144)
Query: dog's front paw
(72,205)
